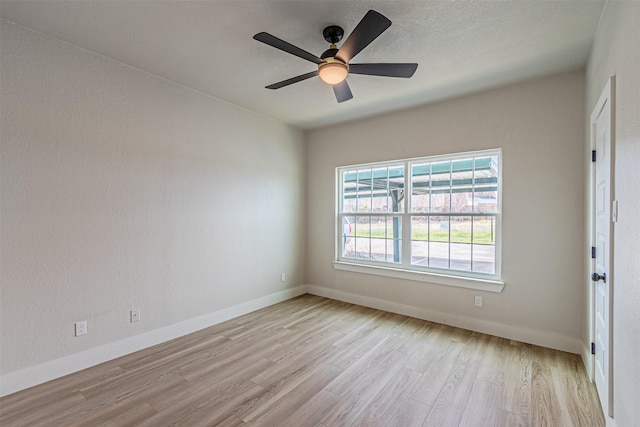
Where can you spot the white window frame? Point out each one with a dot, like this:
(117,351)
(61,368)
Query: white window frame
(404,269)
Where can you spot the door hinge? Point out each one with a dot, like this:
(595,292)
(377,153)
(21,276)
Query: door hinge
(593,155)
(593,348)
(593,252)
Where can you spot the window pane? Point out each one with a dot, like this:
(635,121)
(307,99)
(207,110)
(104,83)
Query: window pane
(378,250)
(362,248)
(362,233)
(394,247)
(460,256)
(378,226)
(348,248)
(439,228)
(462,185)
(349,188)
(362,226)
(396,188)
(419,240)
(420,253)
(486,184)
(438,255)
(420,191)
(420,228)
(380,190)
(460,229)
(484,249)
(484,259)
(364,190)
(484,230)
(394,238)
(441,186)
(393,227)
(439,242)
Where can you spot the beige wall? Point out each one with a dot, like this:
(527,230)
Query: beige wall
(616,51)
(539,126)
(122,190)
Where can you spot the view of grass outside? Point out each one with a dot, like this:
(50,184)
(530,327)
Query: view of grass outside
(436,241)
(460,231)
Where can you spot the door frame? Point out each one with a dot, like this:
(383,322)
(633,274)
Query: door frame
(607,95)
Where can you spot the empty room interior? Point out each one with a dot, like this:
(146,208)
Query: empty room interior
(320,213)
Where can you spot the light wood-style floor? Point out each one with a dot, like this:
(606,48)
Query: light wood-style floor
(311,361)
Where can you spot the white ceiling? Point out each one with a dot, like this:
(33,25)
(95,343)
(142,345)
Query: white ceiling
(460,46)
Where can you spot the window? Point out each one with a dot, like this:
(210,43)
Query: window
(433,215)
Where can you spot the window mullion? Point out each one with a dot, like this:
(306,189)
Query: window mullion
(406,217)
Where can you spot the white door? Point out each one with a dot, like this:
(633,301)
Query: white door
(603,216)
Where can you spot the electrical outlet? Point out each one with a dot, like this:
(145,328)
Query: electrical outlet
(283,277)
(478,301)
(81,328)
(134,315)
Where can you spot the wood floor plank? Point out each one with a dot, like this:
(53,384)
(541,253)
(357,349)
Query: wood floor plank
(443,359)
(278,383)
(280,410)
(429,348)
(51,407)
(576,391)
(228,357)
(297,360)
(383,406)
(313,411)
(517,389)
(410,413)
(483,405)
(457,388)
(547,410)
(102,408)
(210,385)
(130,417)
(54,392)
(313,361)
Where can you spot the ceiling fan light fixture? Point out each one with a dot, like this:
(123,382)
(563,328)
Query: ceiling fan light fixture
(333,71)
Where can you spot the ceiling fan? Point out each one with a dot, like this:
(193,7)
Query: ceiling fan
(333,64)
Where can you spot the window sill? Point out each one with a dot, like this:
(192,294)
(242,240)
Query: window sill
(441,279)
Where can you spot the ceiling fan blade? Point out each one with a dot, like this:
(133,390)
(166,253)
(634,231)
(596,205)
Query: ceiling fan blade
(368,29)
(287,47)
(384,69)
(342,91)
(292,80)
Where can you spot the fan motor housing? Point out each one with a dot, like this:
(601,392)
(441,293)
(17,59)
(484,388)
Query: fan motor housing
(333,34)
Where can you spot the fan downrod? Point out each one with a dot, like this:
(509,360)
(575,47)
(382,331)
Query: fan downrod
(333,34)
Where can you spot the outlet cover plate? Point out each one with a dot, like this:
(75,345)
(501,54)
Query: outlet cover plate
(81,328)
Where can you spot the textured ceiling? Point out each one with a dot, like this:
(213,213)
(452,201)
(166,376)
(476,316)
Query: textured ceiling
(460,46)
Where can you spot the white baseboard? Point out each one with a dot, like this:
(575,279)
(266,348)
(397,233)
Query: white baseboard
(531,336)
(29,377)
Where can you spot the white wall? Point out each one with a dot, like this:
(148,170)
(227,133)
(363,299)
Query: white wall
(121,190)
(616,51)
(539,125)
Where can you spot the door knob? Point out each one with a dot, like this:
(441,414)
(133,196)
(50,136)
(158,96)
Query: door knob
(595,277)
